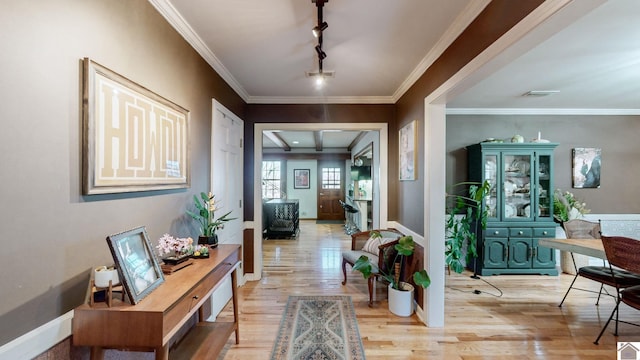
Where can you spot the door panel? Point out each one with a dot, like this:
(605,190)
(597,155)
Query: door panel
(330,190)
(495,253)
(544,257)
(519,253)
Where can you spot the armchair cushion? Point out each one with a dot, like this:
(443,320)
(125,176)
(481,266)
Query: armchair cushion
(352,256)
(373,244)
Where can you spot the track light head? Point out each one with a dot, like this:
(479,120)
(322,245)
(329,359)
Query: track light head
(321,54)
(317,30)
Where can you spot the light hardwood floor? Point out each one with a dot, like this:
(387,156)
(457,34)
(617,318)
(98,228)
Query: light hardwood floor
(524,322)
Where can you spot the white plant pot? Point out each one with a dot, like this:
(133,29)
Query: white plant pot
(401,301)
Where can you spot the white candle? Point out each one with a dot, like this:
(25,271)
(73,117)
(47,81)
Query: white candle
(539,135)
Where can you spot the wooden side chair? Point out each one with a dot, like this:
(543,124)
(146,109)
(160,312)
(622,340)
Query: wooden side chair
(582,229)
(623,254)
(378,250)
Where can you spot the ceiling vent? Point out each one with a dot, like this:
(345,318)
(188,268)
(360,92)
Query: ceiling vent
(541,92)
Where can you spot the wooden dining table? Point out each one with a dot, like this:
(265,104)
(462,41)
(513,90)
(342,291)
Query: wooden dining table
(589,247)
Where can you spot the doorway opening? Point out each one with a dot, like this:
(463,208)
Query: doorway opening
(381,131)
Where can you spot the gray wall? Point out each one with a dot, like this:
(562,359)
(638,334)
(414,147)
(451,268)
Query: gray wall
(51,234)
(617,136)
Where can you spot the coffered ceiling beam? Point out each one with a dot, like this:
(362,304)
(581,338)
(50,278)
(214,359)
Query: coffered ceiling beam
(278,140)
(317,136)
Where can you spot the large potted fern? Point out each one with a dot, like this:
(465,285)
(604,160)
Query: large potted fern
(400,291)
(466,218)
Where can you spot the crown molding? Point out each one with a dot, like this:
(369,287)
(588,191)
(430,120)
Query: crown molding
(539,111)
(169,12)
(321,100)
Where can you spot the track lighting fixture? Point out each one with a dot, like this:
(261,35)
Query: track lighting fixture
(317,30)
(321,54)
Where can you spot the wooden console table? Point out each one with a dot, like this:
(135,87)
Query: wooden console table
(151,324)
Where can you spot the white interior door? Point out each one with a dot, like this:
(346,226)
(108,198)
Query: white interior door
(227,131)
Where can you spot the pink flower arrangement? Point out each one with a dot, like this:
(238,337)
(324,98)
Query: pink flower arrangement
(168,243)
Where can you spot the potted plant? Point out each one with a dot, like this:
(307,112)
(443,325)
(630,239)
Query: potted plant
(174,250)
(462,231)
(400,291)
(205,216)
(567,207)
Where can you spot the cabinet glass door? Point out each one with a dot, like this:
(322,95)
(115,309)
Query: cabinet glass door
(491,176)
(544,191)
(517,187)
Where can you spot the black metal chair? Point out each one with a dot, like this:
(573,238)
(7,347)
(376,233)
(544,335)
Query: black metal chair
(582,229)
(623,254)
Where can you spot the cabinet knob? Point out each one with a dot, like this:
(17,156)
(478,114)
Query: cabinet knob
(496,232)
(195,297)
(544,233)
(520,232)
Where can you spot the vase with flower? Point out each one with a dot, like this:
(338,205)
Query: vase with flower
(206,207)
(567,207)
(174,250)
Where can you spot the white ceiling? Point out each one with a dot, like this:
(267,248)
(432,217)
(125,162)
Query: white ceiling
(594,63)
(589,52)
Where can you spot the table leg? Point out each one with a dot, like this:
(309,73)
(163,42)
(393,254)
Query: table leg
(97,353)
(234,294)
(162,353)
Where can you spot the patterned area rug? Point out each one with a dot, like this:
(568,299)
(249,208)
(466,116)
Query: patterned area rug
(318,328)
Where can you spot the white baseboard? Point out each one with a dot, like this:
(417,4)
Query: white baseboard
(39,340)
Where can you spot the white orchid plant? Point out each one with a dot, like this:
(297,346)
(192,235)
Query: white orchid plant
(179,246)
(205,215)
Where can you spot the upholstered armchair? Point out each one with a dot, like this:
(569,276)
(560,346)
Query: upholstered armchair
(379,251)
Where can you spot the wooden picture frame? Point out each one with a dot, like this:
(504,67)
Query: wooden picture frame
(137,265)
(586,168)
(133,138)
(301,178)
(407,151)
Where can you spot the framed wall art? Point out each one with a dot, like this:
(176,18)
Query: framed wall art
(407,151)
(586,167)
(301,178)
(133,138)
(138,267)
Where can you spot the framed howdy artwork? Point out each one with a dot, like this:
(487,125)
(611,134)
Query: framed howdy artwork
(133,139)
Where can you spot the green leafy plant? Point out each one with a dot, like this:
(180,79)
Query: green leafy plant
(404,248)
(462,231)
(566,206)
(205,214)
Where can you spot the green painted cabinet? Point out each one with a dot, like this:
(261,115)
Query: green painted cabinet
(519,204)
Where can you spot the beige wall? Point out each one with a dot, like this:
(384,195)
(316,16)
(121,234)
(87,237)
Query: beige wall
(617,136)
(51,234)
(496,19)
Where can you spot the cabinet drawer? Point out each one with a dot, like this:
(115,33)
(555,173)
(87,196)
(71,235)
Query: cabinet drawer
(496,232)
(521,232)
(544,232)
(198,293)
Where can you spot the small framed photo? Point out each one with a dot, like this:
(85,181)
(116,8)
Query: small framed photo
(301,178)
(586,168)
(138,267)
